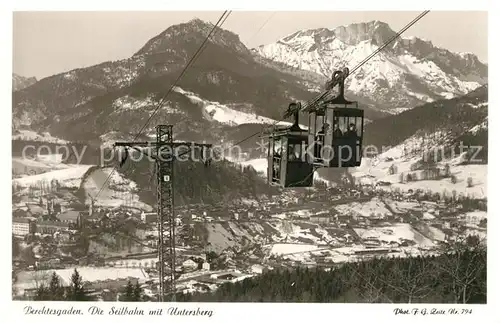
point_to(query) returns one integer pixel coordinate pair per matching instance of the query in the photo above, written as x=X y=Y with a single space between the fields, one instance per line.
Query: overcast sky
x=46 y=43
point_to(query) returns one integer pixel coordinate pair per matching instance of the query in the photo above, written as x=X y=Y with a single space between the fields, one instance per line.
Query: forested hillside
x=196 y=182
x=463 y=119
x=458 y=276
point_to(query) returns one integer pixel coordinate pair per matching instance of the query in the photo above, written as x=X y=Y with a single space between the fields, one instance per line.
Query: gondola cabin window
x=348 y=126
x=294 y=150
x=287 y=166
x=337 y=136
x=277 y=155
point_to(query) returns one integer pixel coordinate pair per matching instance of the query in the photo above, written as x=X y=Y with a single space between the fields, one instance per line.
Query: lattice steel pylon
x=165 y=152
x=165 y=209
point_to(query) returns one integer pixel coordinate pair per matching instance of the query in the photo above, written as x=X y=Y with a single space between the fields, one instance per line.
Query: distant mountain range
x=113 y=100
x=408 y=72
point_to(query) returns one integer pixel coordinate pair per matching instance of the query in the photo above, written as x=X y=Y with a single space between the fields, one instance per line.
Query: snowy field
x=260 y=165
x=293 y=232
x=117 y=191
x=32 y=279
x=373 y=170
x=400 y=207
x=374 y=208
x=435 y=233
x=25 y=166
x=394 y=234
x=70 y=177
x=223 y=114
x=34 y=136
x=291 y=248
x=304 y=253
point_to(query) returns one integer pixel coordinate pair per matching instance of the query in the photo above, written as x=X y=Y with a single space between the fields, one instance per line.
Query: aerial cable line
x=163 y=99
x=195 y=56
x=420 y=16
x=201 y=51
x=411 y=23
x=262 y=26
x=321 y=95
x=188 y=65
x=213 y=31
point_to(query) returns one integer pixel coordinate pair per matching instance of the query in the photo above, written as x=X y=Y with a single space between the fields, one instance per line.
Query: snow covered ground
x=260 y=165
x=373 y=170
x=303 y=252
x=403 y=206
x=34 y=136
x=374 y=208
x=290 y=248
x=32 y=279
x=435 y=233
x=115 y=192
x=127 y=102
x=26 y=166
x=292 y=232
x=224 y=114
x=396 y=233
x=70 y=177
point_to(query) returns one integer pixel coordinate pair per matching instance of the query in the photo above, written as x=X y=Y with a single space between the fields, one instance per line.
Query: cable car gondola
x=333 y=139
x=287 y=157
x=337 y=135
x=336 y=128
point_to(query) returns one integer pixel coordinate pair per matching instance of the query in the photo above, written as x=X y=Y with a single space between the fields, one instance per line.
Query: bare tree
x=40 y=278
x=372 y=290
x=413 y=279
x=464 y=263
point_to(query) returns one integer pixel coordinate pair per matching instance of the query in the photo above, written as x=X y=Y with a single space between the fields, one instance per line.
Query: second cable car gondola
x=288 y=164
x=333 y=139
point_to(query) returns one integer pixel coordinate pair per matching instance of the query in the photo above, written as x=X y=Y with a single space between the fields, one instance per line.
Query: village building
x=71 y=217
x=23 y=226
x=51 y=227
x=190 y=265
x=149 y=217
x=205 y=266
x=257 y=269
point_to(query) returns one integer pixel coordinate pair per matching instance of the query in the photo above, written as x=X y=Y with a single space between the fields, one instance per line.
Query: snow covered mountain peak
x=408 y=72
x=376 y=31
